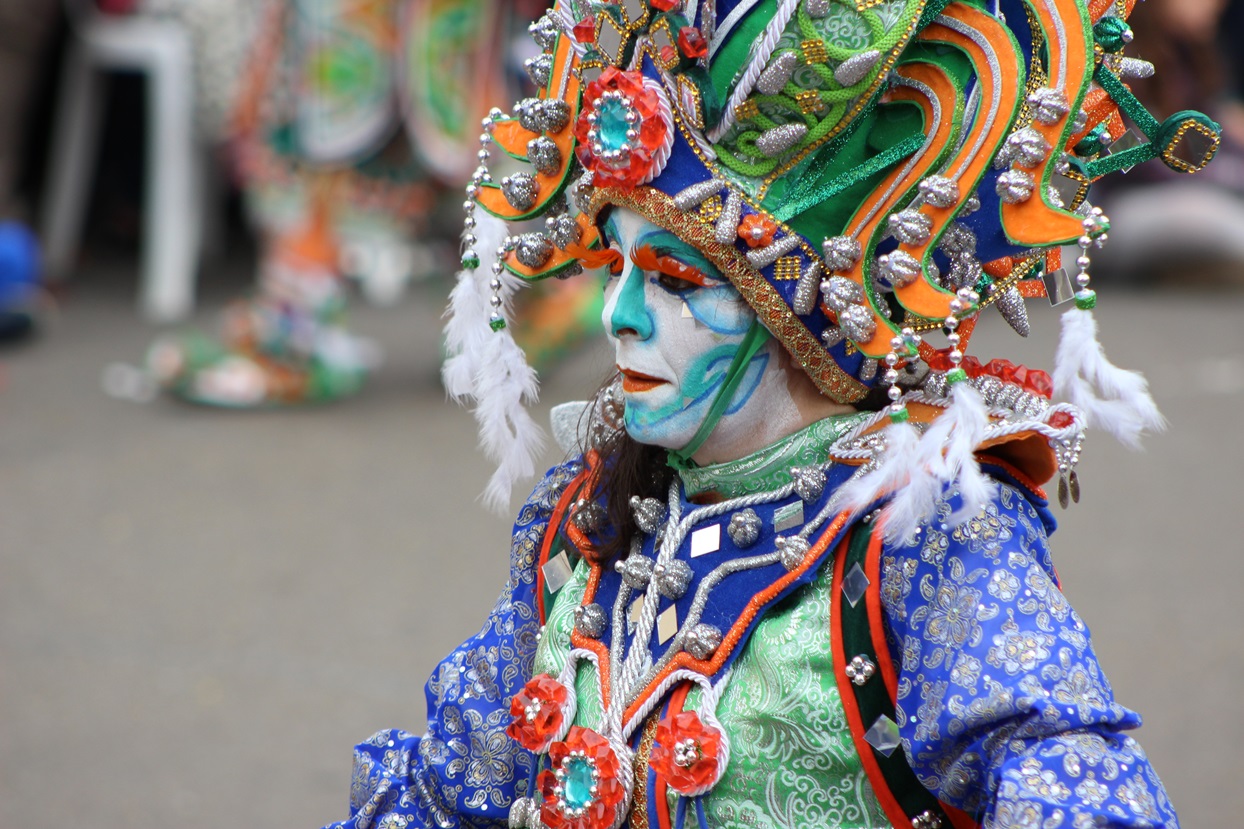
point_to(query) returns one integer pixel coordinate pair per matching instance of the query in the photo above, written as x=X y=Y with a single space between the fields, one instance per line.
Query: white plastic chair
x=176 y=166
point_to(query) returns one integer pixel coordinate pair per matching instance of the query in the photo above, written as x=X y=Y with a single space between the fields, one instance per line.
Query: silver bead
x=563 y=230
x=702 y=641
x=590 y=620
x=899 y=268
x=1015 y=186
x=587 y=515
x=533 y=250
x=544 y=155
x=744 y=528
x=539 y=69
x=649 y=514
x=911 y=227
x=793 y=550
x=672 y=578
x=520 y=190
x=841 y=293
x=842 y=252
x=857 y=323
x=939 y=191
x=1049 y=106
x=809 y=482
x=636 y=571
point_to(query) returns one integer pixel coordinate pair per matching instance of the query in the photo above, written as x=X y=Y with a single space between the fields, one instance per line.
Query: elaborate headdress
x=865 y=172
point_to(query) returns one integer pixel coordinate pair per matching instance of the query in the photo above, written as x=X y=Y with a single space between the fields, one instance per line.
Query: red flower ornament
x=687 y=753
x=625 y=131
x=583 y=789
x=537 y=712
x=757 y=230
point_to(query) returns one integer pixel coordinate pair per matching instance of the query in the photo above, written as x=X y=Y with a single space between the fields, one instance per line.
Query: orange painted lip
x=634 y=381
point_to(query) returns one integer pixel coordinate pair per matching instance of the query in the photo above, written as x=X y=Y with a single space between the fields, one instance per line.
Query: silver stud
x=857 y=323
x=841 y=293
x=544 y=155
x=809 y=482
x=649 y=513
x=563 y=230
x=841 y=252
x=899 y=269
x=958 y=240
x=793 y=550
x=545 y=31
x=672 y=578
x=539 y=69
x=702 y=641
x=520 y=190
x=816 y=8
x=590 y=620
x=860 y=669
x=1015 y=186
x=533 y=250
x=911 y=227
x=744 y=528
x=635 y=570
x=940 y=191
x=1049 y=106
x=587 y=515
x=832 y=336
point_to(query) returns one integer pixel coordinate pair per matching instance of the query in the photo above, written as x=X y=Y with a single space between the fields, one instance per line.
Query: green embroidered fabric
x=769 y=469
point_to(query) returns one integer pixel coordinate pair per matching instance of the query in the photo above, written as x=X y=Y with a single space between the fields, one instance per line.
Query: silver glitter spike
x=832 y=336
x=635 y=570
x=727 y=229
x=776 y=141
x=1015 y=186
x=696 y=194
x=856 y=68
x=899 y=268
x=672 y=578
x=590 y=620
x=520 y=190
x=940 y=191
x=775 y=77
x=841 y=293
x=533 y=250
x=1135 y=68
x=649 y=513
x=842 y=252
x=911 y=227
x=816 y=9
x=563 y=230
x=744 y=528
x=793 y=550
x=857 y=322
x=539 y=69
x=544 y=155
x=958 y=240
x=809 y=482
x=545 y=31
x=868 y=370
x=806 y=290
x=1011 y=306
x=763 y=257
x=702 y=641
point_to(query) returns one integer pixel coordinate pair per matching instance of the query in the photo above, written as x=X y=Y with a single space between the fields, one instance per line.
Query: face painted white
x=674 y=340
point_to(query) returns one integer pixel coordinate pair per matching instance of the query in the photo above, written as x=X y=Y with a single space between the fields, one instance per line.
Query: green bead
x=955 y=375
x=901 y=416
x=470 y=260
x=496 y=323
x=1112 y=33
x=1086 y=300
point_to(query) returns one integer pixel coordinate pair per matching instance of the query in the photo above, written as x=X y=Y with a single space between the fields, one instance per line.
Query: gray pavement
x=201 y=612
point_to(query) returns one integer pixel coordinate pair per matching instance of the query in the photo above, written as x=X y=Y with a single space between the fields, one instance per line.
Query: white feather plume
x=891 y=472
x=965 y=423
x=1111 y=398
x=488 y=368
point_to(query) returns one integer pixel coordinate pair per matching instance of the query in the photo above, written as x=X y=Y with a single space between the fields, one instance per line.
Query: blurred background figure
x=1174 y=227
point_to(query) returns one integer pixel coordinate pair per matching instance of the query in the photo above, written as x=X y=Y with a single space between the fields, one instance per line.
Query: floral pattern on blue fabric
x=1002 y=707
x=465 y=771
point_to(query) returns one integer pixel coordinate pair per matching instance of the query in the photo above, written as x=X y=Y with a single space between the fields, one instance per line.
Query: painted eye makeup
x=670 y=272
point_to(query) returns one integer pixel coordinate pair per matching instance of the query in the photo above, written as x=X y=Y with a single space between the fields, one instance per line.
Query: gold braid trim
x=774 y=313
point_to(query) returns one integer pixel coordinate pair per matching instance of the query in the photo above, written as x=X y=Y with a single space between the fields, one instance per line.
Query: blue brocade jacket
x=1003 y=710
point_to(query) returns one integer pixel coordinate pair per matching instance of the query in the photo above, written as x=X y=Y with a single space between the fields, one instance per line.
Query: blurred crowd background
x=255 y=204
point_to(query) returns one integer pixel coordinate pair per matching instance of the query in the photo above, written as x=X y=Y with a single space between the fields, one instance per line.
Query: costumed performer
x=797 y=571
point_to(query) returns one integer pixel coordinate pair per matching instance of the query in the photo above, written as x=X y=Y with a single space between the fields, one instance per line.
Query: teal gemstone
x=577 y=784
x=611 y=123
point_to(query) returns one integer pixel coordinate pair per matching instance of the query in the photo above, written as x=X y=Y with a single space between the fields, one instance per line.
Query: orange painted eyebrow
x=646 y=258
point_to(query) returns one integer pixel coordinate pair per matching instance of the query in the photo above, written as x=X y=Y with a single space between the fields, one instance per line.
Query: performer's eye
x=676 y=284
